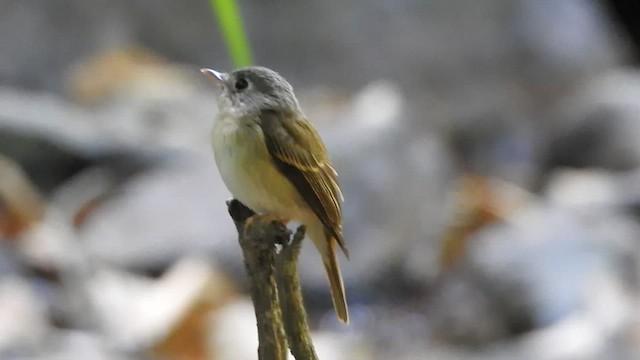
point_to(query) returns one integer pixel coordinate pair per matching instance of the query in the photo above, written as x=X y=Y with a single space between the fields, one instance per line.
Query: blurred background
x=488 y=152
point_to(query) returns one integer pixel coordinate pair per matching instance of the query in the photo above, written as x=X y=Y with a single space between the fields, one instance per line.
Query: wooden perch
x=293 y=311
x=258 y=242
x=275 y=287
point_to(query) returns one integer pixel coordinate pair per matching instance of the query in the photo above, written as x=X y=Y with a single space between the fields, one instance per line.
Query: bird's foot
x=264 y=220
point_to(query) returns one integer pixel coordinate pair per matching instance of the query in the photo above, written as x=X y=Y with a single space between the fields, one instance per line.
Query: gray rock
x=600 y=125
x=175 y=209
x=553 y=266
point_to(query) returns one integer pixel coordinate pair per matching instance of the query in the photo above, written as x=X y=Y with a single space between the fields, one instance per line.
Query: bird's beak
x=217 y=77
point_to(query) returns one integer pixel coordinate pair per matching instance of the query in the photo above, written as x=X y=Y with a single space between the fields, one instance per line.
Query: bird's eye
x=241 y=84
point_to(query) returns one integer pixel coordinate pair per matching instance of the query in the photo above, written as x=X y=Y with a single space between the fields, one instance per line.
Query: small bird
x=272 y=159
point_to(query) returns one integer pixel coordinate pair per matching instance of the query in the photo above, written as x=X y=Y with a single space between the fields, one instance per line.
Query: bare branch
x=294 y=314
x=257 y=237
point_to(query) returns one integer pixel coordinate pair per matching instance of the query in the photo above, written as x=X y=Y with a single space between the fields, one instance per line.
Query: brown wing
x=298 y=152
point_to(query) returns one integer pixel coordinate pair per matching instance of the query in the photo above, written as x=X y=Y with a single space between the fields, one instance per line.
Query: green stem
x=228 y=15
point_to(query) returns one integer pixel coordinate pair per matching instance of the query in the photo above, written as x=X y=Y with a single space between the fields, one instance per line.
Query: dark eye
x=241 y=84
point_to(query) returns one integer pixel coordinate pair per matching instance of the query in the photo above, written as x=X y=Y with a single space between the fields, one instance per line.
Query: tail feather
x=335 y=281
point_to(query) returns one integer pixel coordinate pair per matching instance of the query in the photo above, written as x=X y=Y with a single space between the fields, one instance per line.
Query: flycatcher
x=272 y=159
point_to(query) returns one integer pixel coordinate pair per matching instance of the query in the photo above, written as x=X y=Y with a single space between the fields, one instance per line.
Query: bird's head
x=250 y=90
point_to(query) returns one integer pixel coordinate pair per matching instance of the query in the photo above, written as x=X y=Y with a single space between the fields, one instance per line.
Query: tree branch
x=275 y=286
x=257 y=240
x=293 y=311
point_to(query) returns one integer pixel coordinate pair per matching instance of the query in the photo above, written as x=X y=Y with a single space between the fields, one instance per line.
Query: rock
x=74 y=344
x=23 y=316
x=130 y=73
x=234 y=336
x=583 y=189
x=169 y=315
x=165 y=213
x=551 y=266
x=600 y=125
x=233 y=332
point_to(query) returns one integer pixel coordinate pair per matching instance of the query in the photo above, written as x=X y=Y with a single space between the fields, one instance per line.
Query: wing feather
x=301 y=156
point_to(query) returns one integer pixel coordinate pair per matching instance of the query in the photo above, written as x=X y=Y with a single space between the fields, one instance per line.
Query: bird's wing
x=300 y=155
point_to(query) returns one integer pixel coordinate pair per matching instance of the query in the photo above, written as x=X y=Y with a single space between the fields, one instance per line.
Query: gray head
x=250 y=90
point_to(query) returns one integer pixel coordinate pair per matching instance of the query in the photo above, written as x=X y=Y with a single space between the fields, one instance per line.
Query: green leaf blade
x=228 y=14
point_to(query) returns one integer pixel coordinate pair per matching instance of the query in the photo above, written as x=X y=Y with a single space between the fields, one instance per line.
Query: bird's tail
x=335 y=281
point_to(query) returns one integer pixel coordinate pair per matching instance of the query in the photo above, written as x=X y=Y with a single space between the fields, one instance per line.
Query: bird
x=272 y=159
